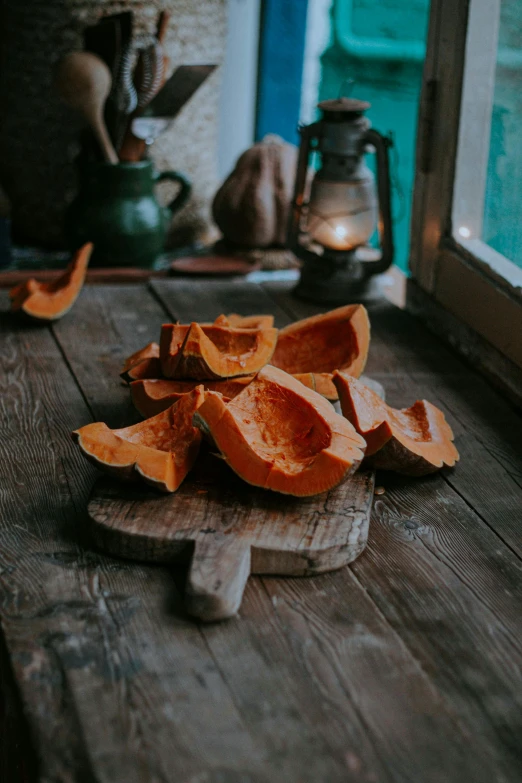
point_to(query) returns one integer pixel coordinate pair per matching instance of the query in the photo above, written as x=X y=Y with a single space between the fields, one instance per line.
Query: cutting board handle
x=217 y=576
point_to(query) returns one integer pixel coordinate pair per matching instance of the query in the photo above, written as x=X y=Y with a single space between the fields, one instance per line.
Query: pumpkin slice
x=415 y=441
x=150 y=351
x=245 y=321
x=147 y=368
x=145 y=363
x=161 y=450
x=320 y=382
x=279 y=435
x=155 y=395
x=338 y=340
x=214 y=352
x=51 y=301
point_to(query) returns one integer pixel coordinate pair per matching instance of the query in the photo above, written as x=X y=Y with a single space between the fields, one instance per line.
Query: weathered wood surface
x=402 y=667
x=229 y=529
x=440 y=537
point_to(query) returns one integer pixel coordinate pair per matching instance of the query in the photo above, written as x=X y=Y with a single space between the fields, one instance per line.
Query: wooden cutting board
x=228 y=530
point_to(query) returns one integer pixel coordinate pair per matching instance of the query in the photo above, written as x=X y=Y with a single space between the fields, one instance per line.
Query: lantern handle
x=307 y=133
x=382 y=145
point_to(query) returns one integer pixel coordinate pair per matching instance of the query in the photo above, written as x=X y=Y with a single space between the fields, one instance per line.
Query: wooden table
x=403 y=667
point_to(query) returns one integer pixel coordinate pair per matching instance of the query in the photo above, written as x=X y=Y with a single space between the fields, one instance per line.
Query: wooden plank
x=17 y=757
x=189 y=300
x=476 y=349
x=481 y=306
x=108 y=323
x=324 y=651
x=115 y=685
x=308 y=724
x=454 y=598
x=119 y=275
x=432 y=563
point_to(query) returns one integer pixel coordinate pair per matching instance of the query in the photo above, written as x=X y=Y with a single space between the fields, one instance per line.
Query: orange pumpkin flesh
x=151 y=351
x=145 y=363
x=51 y=301
x=161 y=450
x=152 y=396
x=338 y=340
x=415 y=441
x=245 y=321
x=279 y=435
x=214 y=352
x=320 y=382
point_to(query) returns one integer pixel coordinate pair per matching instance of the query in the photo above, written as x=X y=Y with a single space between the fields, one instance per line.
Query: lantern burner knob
x=342 y=108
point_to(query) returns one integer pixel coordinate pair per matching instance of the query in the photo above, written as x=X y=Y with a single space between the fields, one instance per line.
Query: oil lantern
x=332 y=220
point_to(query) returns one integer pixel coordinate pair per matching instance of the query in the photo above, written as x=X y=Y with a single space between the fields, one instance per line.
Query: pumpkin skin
x=214 y=352
x=415 y=441
x=251 y=207
x=159 y=451
x=51 y=301
x=337 y=340
x=279 y=435
x=151 y=396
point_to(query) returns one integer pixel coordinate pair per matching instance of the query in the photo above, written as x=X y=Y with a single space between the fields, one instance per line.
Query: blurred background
x=275 y=61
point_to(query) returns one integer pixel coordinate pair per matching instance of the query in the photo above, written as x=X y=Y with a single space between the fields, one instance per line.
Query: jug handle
x=181 y=198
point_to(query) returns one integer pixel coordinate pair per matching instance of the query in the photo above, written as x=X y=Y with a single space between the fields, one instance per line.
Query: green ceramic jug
x=116 y=209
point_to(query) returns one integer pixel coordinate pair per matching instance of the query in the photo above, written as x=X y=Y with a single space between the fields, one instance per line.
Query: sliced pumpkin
x=160 y=451
x=150 y=351
x=51 y=301
x=279 y=435
x=155 y=395
x=214 y=352
x=415 y=441
x=245 y=321
x=147 y=368
x=338 y=340
x=145 y=363
x=320 y=382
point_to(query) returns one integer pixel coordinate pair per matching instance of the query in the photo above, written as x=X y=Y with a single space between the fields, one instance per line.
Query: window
x=466 y=231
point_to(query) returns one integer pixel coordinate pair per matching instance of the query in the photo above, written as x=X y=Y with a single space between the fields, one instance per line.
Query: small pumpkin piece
x=245 y=321
x=415 y=441
x=152 y=396
x=338 y=340
x=147 y=368
x=320 y=382
x=159 y=451
x=214 y=352
x=51 y=301
x=279 y=435
x=145 y=363
x=150 y=351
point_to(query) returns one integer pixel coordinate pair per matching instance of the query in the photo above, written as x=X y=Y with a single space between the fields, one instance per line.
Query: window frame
x=443 y=266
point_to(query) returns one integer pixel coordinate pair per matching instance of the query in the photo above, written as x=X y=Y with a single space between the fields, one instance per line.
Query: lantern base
x=337 y=283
